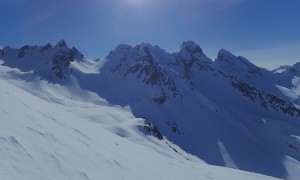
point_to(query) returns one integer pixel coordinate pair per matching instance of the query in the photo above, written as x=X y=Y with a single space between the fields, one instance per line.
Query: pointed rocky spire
x=61 y=43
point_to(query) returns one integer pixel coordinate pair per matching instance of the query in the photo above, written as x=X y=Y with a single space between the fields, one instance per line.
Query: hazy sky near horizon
x=267 y=32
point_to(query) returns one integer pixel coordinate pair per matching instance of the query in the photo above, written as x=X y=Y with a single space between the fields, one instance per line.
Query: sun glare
x=137 y=2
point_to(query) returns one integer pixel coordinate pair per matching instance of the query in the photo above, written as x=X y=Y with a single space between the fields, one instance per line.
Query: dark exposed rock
x=46 y=47
x=175 y=128
x=293 y=146
x=61 y=43
x=294 y=143
x=62 y=60
x=22 y=51
x=150 y=129
x=160 y=99
x=144 y=67
x=265 y=100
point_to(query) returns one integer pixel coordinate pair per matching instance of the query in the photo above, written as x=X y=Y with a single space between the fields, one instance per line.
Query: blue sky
x=267 y=32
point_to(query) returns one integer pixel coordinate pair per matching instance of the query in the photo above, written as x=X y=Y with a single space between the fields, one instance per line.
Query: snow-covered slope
x=227 y=112
x=58 y=137
x=224 y=115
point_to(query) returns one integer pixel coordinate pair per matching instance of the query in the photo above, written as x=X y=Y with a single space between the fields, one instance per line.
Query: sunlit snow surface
x=46 y=132
x=65 y=117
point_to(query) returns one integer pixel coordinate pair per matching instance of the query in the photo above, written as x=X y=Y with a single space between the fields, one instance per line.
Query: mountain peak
x=191 y=52
x=190 y=46
x=145 y=45
x=61 y=43
x=238 y=65
x=226 y=56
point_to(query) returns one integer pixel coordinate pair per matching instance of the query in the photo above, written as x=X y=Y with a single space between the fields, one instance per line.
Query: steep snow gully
x=144 y=113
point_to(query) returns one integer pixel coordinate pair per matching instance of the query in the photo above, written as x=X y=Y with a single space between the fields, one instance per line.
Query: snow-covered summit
x=190 y=51
x=190 y=46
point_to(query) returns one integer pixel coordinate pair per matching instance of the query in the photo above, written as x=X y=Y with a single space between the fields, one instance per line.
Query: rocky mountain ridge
x=46 y=61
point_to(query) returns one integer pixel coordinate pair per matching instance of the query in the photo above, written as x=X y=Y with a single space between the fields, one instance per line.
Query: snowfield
x=71 y=139
x=143 y=113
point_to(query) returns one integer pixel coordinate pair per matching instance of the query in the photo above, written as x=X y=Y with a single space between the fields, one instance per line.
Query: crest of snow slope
x=78 y=139
x=213 y=120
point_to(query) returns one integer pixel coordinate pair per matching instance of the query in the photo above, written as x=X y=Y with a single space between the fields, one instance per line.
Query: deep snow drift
x=66 y=117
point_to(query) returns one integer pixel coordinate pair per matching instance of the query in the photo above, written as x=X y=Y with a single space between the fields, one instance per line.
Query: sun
x=137 y=2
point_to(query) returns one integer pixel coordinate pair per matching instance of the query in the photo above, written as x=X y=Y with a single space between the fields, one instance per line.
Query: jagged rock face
x=264 y=99
x=141 y=62
x=150 y=129
x=61 y=62
x=189 y=60
x=61 y=43
x=45 y=61
x=22 y=51
x=155 y=67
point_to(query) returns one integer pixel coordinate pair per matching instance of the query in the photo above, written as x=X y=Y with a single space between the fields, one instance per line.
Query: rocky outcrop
x=141 y=62
x=175 y=128
x=265 y=99
x=61 y=62
x=150 y=129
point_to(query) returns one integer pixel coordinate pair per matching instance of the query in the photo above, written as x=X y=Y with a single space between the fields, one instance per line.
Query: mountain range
x=142 y=109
